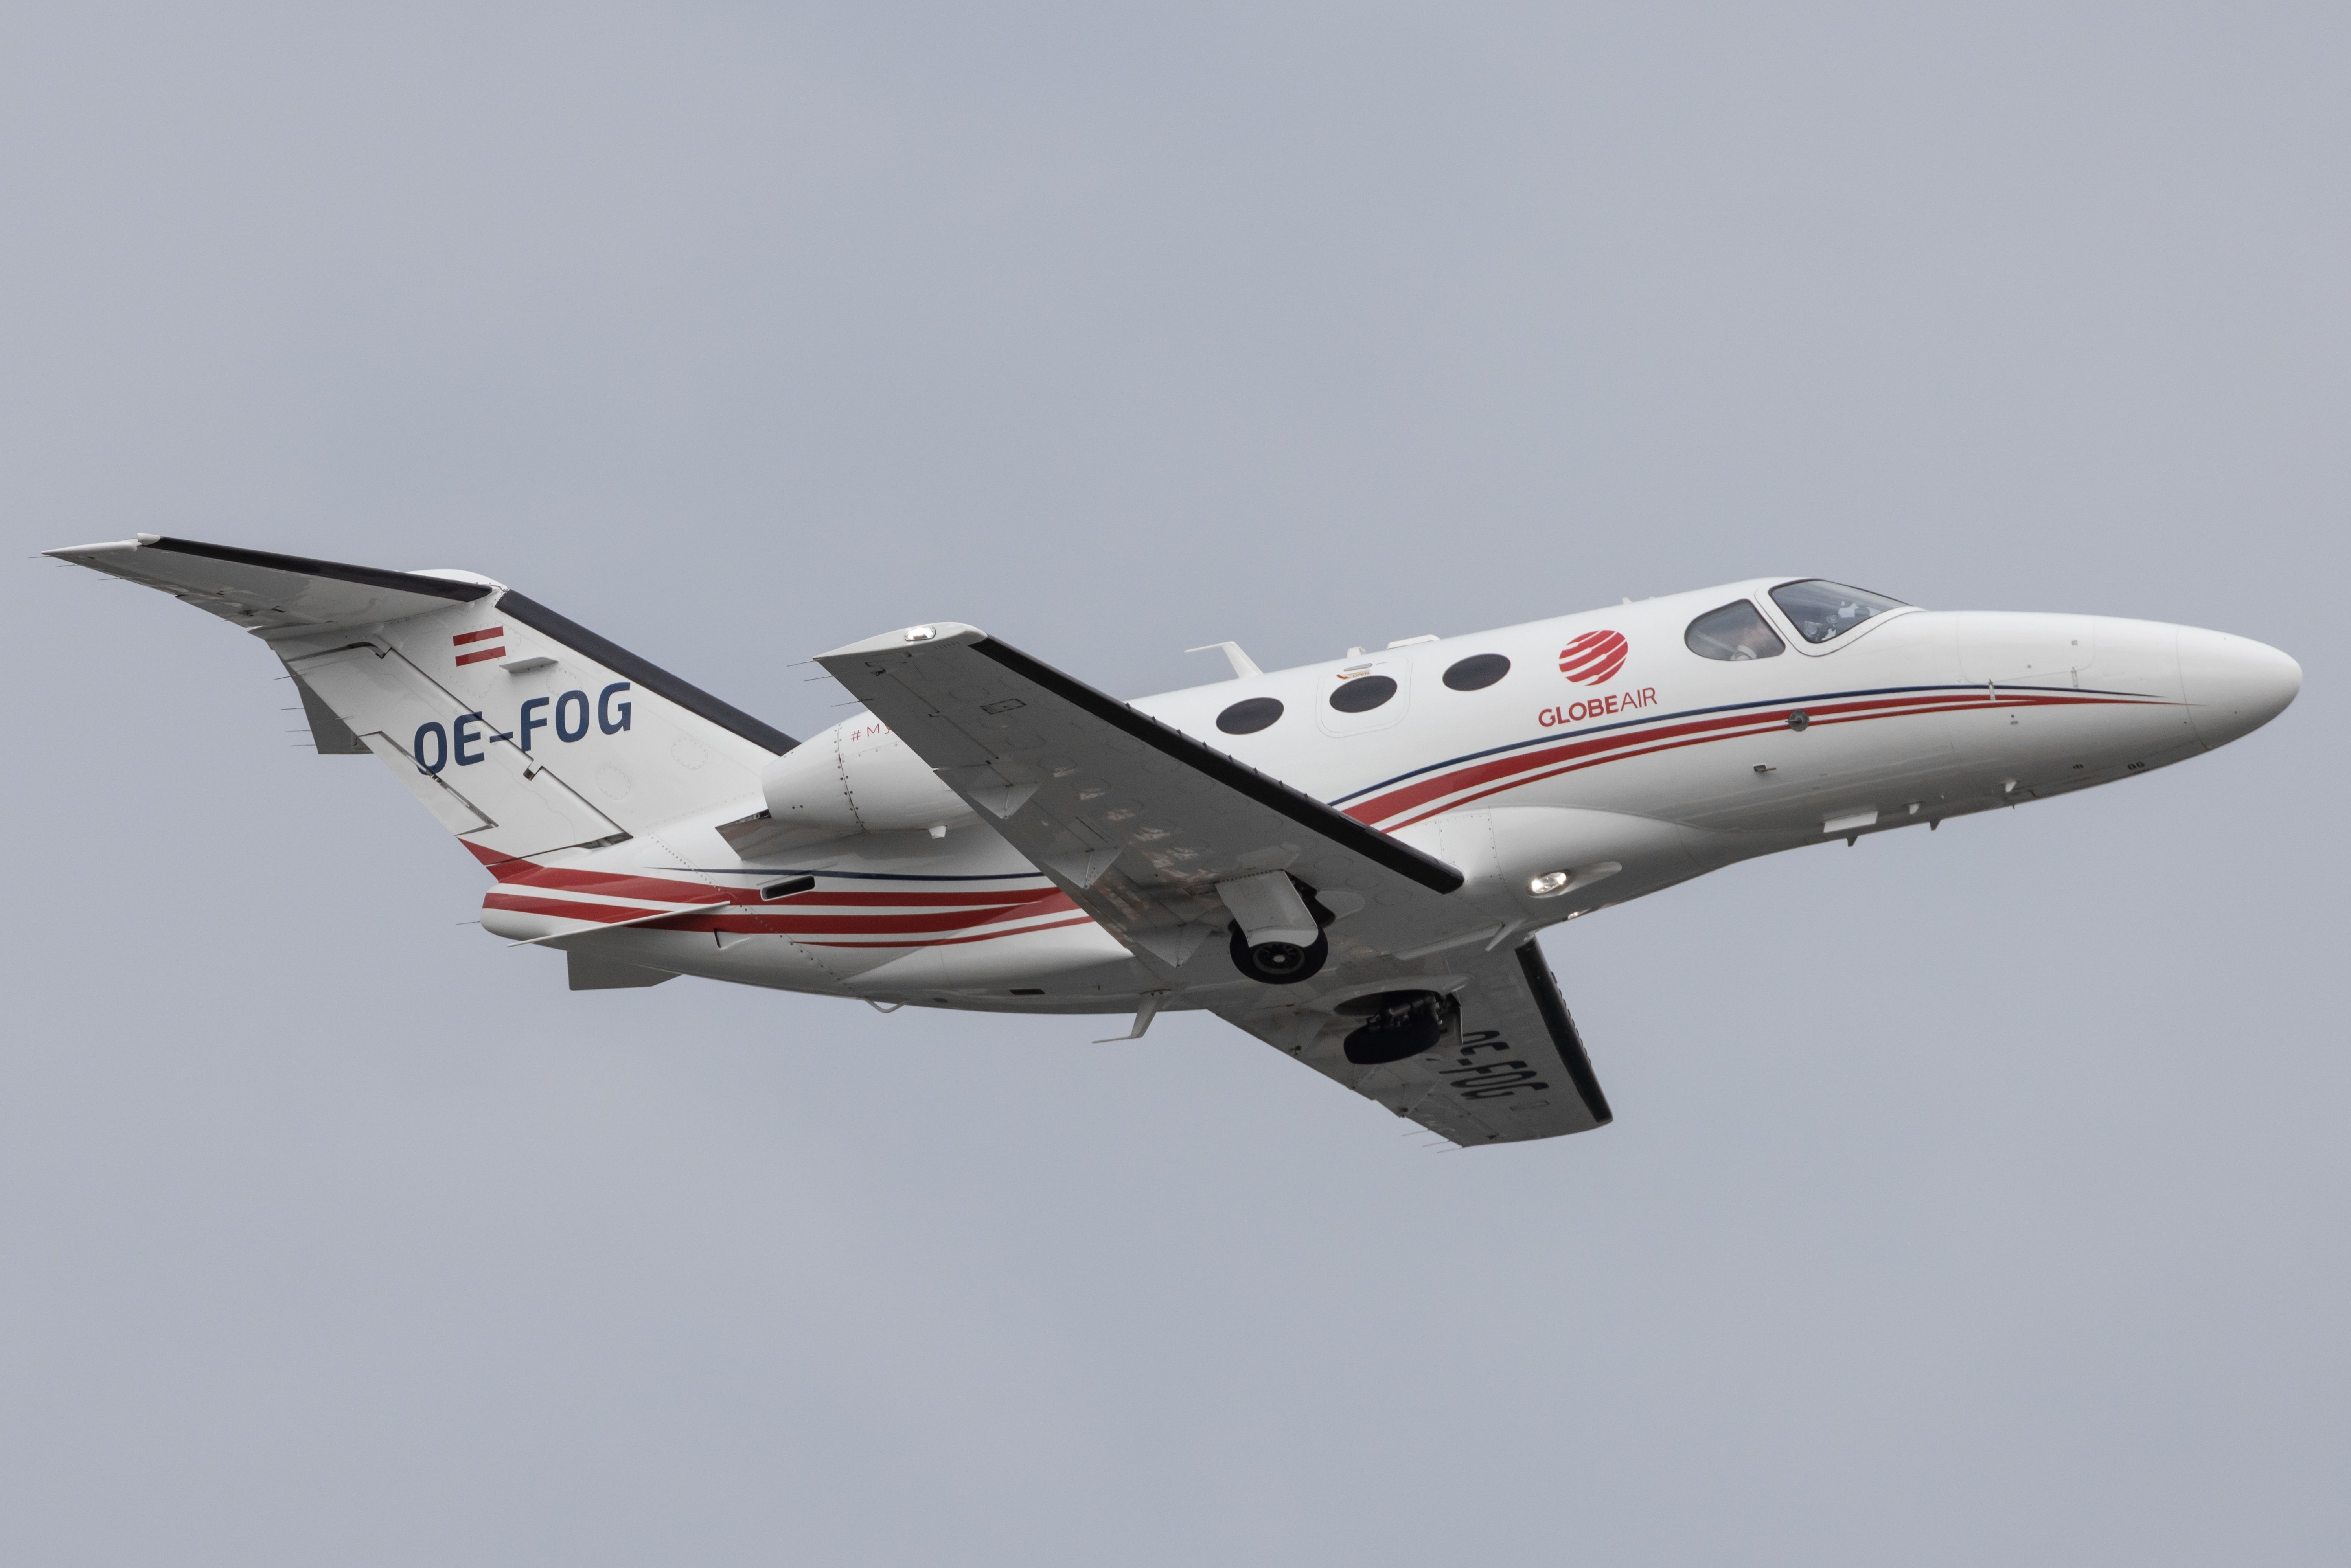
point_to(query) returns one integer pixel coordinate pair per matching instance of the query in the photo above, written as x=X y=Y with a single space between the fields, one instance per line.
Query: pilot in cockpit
x=1736 y=632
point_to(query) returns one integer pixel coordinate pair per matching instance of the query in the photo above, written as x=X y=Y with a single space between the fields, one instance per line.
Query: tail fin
x=522 y=731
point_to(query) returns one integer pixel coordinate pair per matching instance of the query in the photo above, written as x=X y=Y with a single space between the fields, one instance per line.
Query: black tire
x=1278 y=963
x=1400 y=1024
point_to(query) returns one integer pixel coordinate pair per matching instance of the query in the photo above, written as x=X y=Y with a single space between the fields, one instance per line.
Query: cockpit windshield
x=1823 y=610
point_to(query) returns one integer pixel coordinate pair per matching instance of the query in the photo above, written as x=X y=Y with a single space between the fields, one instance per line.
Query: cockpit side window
x=1735 y=631
x=1823 y=610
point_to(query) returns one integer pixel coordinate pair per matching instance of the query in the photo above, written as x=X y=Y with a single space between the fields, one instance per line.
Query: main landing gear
x=1398 y=1024
x=1280 y=963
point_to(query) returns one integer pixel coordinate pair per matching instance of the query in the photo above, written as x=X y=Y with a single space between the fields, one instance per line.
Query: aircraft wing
x=1136 y=820
x=1515 y=1070
x=1139 y=824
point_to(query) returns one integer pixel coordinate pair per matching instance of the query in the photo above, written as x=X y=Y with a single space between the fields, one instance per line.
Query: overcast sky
x=1976 y=1196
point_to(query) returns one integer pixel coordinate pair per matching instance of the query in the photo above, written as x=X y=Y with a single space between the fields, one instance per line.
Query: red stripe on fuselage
x=958 y=941
x=637 y=884
x=779 y=920
x=800 y=914
x=1527 y=767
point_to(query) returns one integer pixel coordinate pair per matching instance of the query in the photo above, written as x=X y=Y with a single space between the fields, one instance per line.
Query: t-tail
x=523 y=732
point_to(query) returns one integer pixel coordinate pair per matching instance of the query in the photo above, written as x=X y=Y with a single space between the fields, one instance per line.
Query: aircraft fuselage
x=1563 y=766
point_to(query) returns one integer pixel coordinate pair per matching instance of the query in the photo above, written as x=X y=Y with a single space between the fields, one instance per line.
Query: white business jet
x=1351 y=861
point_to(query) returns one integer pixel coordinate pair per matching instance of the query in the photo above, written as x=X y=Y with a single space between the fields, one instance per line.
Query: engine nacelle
x=858 y=777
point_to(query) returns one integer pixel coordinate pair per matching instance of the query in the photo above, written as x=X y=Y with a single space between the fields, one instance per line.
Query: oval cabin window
x=1250 y=715
x=1363 y=694
x=1735 y=632
x=1477 y=672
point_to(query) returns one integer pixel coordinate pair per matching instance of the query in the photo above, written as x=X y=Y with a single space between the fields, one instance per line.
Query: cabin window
x=784 y=889
x=1824 y=610
x=1363 y=694
x=1735 y=631
x=1249 y=714
x=1477 y=672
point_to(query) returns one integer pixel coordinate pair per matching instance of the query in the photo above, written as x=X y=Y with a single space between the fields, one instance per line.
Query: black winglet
x=1570 y=1044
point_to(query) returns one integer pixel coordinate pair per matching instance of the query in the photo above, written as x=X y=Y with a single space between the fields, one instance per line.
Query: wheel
x=1278 y=963
x=1398 y=1024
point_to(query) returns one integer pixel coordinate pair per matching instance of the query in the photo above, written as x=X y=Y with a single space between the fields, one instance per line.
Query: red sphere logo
x=1593 y=657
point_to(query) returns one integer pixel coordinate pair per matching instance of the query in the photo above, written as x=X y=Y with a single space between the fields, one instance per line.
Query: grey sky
x=1973 y=1196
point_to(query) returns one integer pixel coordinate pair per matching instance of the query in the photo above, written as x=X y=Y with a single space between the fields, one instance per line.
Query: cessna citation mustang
x=1349 y=860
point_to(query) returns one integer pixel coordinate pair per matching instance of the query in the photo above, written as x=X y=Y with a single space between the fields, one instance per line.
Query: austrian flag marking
x=486 y=635
x=1593 y=657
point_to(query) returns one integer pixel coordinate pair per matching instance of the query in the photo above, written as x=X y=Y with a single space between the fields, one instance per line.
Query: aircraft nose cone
x=2233 y=685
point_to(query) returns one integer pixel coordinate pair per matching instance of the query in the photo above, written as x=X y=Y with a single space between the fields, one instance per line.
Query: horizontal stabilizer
x=263 y=591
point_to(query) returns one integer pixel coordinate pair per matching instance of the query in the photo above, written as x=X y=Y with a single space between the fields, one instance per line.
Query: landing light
x=921 y=633
x=1549 y=883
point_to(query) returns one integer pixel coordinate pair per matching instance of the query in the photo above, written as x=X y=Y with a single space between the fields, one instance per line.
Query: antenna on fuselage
x=1244 y=667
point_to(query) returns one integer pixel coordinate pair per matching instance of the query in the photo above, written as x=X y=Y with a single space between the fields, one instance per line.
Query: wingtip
x=68 y=552
x=909 y=639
